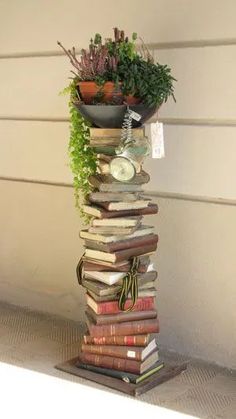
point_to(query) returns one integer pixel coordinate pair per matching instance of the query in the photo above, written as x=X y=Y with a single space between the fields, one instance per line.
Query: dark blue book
x=122 y=375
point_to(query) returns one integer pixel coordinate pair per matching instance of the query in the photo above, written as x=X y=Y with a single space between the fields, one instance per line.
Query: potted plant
x=113 y=72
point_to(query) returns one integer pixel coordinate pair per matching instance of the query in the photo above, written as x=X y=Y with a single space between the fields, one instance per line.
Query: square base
x=170 y=370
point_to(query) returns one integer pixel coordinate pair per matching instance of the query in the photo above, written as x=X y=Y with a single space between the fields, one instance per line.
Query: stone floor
x=37 y=341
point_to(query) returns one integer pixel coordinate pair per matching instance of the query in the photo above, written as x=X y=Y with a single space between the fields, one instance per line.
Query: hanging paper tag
x=157 y=139
x=135 y=115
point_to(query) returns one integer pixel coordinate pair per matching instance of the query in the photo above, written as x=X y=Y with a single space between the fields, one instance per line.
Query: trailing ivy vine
x=82 y=159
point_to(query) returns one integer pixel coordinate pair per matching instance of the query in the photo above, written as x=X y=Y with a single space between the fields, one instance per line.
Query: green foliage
x=153 y=83
x=82 y=159
x=117 y=60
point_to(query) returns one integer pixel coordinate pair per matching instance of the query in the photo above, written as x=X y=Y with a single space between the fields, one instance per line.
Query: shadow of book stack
x=120 y=348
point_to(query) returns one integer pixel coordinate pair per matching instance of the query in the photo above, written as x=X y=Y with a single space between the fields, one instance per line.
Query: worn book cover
x=93 y=281
x=122 y=244
x=120 y=255
x=90 y=264
x=122 y=375
x=130 y=340
x=114 y=133
x=99 y=212
x=143 y=292
x=112 y=307
x=125 y=206
x=119 y=317
x=137 y=353
x=137 y=327
x=113 y=196
x=142 y=231
x=139 y=179
x=130 y=365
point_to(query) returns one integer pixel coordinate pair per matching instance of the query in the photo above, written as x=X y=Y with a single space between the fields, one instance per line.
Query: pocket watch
x=122 y=169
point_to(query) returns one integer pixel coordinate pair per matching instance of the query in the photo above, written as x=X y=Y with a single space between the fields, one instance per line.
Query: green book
x=122 y=375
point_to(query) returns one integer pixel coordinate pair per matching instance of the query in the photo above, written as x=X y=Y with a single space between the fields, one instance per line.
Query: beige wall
x=39 y=225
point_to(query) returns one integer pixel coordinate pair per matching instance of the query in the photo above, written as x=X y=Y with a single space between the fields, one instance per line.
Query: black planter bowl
x=112 y=116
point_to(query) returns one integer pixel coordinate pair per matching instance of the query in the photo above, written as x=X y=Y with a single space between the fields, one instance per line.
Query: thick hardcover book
x=103 y=238
x=120 y=317
x=113 y=231
x=139 y=179
x=97 y=183
x=100 y=289
x=145 y=281
x=98 y=212
x=142 y=292
x=125 y=206
x=120 y=255
x=114 y=133
x=108 y=278
x=112 y=307
x=122 y=244
x=113 y=196
x=107 y=150
x=130 y=365
x=137 y=353
x=122 y=375
x=139 y=327
x=90 y=264
x=132 y=340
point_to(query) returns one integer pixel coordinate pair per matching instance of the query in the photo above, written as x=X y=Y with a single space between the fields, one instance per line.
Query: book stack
x=117 y=272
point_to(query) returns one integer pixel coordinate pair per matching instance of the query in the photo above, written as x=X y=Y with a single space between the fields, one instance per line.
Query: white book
x=116 y=222
x=119 y=206
x=108 y=278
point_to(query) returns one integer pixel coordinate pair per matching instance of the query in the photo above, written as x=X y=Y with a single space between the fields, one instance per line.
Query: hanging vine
x=82 y=159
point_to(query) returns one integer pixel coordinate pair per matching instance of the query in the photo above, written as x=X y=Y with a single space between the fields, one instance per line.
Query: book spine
x=124 y=317
x=136 y=251
x=112 y=307
x=105 y=361
x=115 y=351
x=139 y=327
x=125 y=376
x=135 y=340
x=122 y=244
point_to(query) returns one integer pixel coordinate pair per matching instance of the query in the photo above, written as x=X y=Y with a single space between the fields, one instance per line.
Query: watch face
x=122 y=169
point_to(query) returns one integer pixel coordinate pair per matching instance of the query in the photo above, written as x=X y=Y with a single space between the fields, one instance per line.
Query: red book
x=138 y=327
x=111 y=307
x=132 y=340
x=105 y=361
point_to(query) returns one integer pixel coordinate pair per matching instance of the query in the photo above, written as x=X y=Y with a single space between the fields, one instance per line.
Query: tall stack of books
x=120 y=342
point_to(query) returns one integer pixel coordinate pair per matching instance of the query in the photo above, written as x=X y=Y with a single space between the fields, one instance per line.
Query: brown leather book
x=137 y=353
x=131 y=340
x=99 y=212
x=122 y=244
x=120 y=255
x=130 y=365
x=119 y=317
x=124 y=266
x=138 y=327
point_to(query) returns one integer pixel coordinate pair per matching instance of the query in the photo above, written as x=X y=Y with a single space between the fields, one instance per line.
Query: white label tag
x=157 y=140
x=131 y=354
x=135 y=116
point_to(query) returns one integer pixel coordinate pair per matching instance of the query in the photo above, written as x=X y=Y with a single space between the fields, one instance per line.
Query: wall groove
x=201 y=43
x=167 y=121
x=154 y=194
